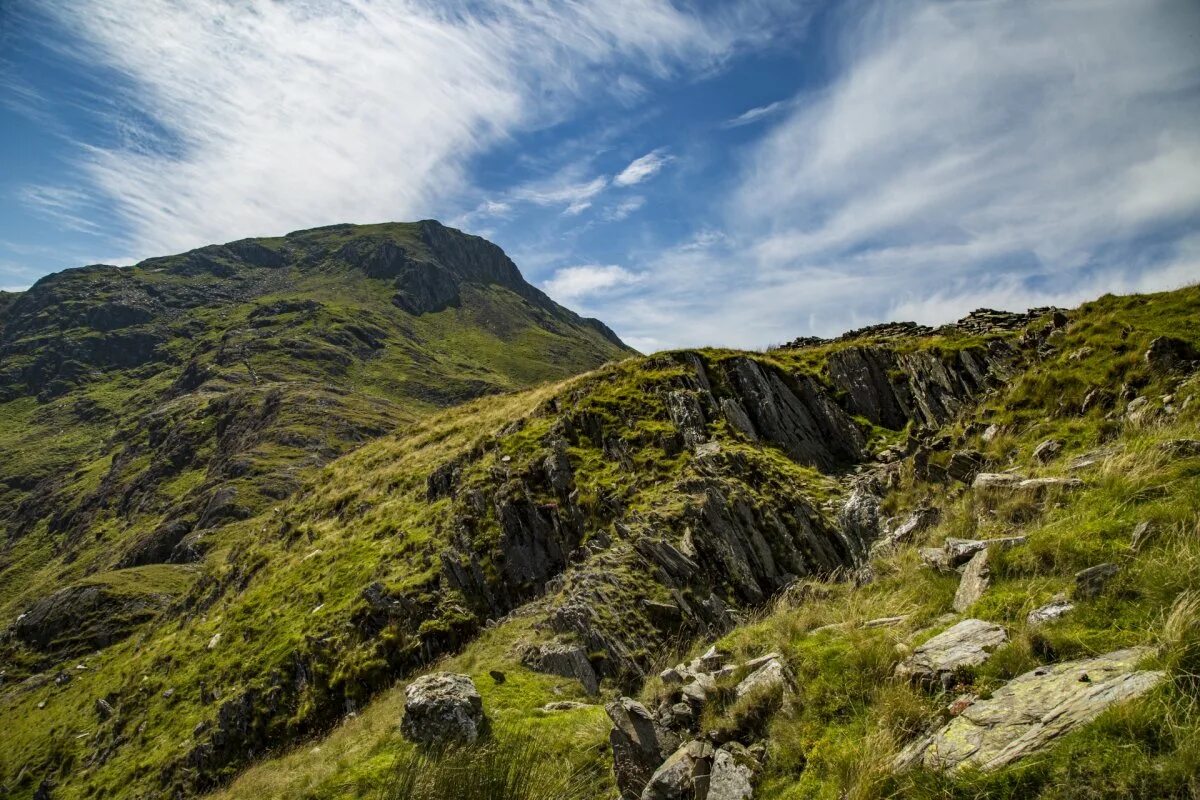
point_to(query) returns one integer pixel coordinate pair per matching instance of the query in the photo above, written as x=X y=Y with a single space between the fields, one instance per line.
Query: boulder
x=683 y=776
x=967 y=644
x=1031 y=711
x=1039 y=486
x=919 y=521
x=442 y=707
x=769 y=673
x=639 y=745
x=859 y=517
x=1167 y=353
x=995 y=480
x=565 y=660
x=1058 y=607
x=729 y=779
x=1090 y=582
x=965 y=465
x=1047 y=451
x=976 y=578
x=960 y=551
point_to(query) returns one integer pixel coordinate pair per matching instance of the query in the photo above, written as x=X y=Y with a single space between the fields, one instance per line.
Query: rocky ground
x=907 y=562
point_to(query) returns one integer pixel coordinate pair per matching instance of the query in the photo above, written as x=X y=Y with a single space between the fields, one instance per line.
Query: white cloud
x=755 y=114
x=626 y=207
x=1003 y=153
x=263 y=117
x=642 y=168
x=571 y=284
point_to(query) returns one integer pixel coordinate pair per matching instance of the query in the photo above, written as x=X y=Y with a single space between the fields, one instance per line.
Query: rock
x=712 y=659
x=442 y=707
x=1090 y=582
x=995 y=480
x=497 y=676
x=729 y=780
x=1047 y=451
x=671 y=676
x=976 y=578
x=990 y=433
x=919 y=521
x=935 y=557
x=104 y=709
x=568 y=661
x=859 y=517
x=564 y=705
x=1056 y=608
x=960 y=551
x=1182 y=448
x=1167 y=353
x=213 y=642
x=683 y=776
x=1142 y=534
x=967 y=644
x=688 y=416
x=965 y=465
x=770 y=673
x=1031 y=711
x=885 y=622
x=639 y=745
x=1039 y=486
x=736 y=416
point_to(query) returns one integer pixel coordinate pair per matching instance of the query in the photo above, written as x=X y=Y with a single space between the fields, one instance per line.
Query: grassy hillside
x=642 y=512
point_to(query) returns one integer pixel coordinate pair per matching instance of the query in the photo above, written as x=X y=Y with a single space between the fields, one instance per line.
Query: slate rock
x=1057 y=608
x=1090 y=582
x=967 y=644
x=1031 y=711
x=729 y=779
x=639 y=745
x=976 y=578
x=1047 y=450
x=567 y=661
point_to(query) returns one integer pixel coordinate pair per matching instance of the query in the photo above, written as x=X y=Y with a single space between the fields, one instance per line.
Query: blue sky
x=700 y=173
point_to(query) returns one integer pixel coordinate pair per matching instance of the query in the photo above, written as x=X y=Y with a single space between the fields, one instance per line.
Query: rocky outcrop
x=1033 y=710
x=442 y=707
x=565 y=660
x=639 y=746
x=967 y=644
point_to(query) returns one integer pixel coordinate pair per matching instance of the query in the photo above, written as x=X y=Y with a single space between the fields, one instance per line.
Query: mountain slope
x=143 y=408
x=620 y=515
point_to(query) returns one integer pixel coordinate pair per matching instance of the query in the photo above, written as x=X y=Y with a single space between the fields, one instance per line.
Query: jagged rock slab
x=1033 y=710
x=976 y=578
x=568 y=661
x=967 y=644
x=639 y=746
x=1056 y=609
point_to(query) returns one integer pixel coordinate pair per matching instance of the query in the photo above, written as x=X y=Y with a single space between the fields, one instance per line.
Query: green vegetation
x=273 y=670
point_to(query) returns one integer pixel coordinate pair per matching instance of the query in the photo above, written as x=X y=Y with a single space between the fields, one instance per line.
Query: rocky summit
x=358 y=512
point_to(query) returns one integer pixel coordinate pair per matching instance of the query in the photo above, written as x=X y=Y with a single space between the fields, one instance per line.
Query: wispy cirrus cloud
x=642 y=168
x=964 y=153
x=756 y=114
x=245 y=118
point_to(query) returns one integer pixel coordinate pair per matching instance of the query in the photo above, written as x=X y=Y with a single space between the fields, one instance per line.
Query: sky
x=707 y=173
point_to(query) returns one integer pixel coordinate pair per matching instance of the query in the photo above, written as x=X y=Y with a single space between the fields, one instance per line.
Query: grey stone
x=729 y=779
x=769 y=673
x=965 y=465
x=976 y=578
x=684 y=775
x=1090 y=582
x=1142 y=533
x=960 y=551
x=995 y=480
x=1047 y=450
x=442 y=707
x=639 y=745
x=1058 y=607
x=967 y=644
x=859 y=517
x=568 y=661
x=1031 y=711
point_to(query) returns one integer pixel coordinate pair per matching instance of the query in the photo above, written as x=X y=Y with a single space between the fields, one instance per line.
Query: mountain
x=145 y=407
x=696 y=573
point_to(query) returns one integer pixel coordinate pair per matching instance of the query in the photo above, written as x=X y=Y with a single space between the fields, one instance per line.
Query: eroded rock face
x=1033 y=710
x=442 y=707
x=967 y=644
